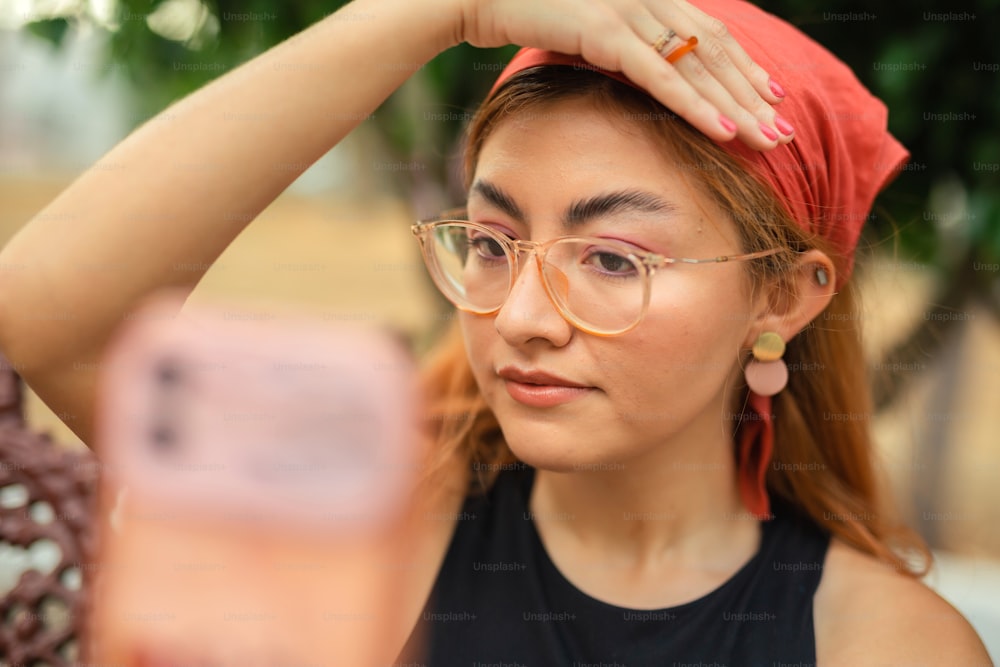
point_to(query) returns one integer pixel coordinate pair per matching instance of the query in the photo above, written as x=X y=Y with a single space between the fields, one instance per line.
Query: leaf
x=51 y=30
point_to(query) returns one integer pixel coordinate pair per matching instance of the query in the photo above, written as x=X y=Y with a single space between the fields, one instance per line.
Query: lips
x=535 y=377
x=539 y=389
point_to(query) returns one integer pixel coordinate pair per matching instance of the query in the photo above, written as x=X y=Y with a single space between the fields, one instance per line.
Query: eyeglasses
x=600 y=286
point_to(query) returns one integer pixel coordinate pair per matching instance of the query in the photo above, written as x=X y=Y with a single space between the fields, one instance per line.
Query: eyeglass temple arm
x=724 y=258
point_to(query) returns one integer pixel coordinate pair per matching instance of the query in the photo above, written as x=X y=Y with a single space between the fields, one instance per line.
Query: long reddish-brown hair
x=823 y=459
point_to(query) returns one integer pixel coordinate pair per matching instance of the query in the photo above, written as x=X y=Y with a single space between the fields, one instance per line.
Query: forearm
x=174 y=194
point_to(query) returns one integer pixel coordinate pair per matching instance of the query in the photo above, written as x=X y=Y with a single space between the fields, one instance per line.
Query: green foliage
x=51 y=30
x=936 y=67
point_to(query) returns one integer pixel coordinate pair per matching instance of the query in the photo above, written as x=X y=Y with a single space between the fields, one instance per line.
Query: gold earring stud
x=767 y=374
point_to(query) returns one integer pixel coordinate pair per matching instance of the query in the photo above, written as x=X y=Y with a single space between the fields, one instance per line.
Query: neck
x=678 y=504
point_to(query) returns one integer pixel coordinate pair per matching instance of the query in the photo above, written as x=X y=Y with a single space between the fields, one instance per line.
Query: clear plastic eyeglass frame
x=646 y=263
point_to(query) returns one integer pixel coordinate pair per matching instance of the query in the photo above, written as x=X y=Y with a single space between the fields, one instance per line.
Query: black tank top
x=499 y=601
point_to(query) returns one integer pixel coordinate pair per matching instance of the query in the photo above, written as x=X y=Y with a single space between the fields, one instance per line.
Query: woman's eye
x=611 y=262
x=487 y=246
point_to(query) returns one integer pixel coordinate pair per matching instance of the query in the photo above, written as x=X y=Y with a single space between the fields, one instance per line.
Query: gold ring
x=662 y=40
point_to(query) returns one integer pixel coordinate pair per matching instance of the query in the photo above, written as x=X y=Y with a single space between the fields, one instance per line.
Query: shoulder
x=868 y=614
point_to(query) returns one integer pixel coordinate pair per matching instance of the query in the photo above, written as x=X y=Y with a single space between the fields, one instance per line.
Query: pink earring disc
x=766 y=378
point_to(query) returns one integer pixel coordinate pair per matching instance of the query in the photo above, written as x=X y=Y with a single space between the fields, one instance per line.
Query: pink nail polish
x=727 y=123
x=784 y=126
x=776 y=88
x=768 y=132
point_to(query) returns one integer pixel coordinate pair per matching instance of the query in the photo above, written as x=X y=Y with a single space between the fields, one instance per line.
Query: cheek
x=686 y=344
x=479 y=335
x=707 y=302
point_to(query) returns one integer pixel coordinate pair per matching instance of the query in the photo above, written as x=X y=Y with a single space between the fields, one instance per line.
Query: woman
x=615 y=493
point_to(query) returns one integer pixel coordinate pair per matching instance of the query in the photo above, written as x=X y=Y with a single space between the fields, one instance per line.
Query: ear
x=786 y=312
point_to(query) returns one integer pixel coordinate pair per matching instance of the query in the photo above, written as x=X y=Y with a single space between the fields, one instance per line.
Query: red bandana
x=827 y=177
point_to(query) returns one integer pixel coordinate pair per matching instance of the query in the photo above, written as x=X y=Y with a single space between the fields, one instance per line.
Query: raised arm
x=173 y=195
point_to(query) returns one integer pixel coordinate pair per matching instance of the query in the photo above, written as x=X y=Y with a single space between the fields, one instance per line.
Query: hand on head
x=685 y=58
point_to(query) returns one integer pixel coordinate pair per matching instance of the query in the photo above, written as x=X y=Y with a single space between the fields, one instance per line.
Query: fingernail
x=727 y=123
x=768 y=132
x=784 y=126
x=776 y=88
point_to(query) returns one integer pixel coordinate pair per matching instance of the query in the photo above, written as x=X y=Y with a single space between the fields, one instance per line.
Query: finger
x=756 y=124
x=647 y=69
x=752 y=124
x=716 y=32
x=718 y=61
x=725 y=86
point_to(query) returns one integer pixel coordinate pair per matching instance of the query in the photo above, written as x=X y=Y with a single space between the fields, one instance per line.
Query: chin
x=561 y=449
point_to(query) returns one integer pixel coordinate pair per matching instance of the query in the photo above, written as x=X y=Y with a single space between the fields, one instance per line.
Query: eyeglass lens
x=598 y=286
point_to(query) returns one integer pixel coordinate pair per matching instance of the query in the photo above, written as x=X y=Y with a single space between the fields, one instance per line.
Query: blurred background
x=77 y=75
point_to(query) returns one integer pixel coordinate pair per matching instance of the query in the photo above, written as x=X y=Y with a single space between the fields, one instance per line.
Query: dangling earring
x=767 y=374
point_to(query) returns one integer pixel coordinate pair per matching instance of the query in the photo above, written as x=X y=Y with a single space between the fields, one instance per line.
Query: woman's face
x=666 y=380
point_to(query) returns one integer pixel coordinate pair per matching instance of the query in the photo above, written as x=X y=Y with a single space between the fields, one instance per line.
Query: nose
x=528 y=313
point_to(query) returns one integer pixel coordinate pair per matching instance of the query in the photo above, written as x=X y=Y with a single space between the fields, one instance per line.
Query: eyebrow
x=624 y=201
x=583 y=210
x=498 y=198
